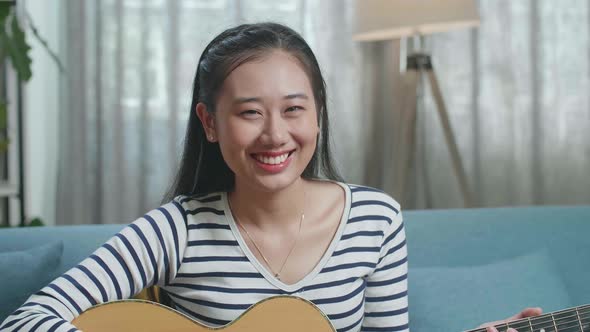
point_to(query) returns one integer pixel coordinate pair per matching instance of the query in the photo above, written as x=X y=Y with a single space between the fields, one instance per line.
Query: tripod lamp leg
x=456 y=158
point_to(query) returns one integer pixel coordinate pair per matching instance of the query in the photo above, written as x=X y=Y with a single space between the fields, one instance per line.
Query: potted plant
x=14 y=51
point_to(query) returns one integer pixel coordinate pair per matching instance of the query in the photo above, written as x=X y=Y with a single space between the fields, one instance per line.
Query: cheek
x=312 y=128
x=308 y=133
x=234 y=137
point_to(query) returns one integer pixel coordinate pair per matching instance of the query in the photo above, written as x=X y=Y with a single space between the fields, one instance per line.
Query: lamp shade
x=391 y=19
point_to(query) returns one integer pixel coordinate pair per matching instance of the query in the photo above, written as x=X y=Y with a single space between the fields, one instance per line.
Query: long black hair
x=202 y=168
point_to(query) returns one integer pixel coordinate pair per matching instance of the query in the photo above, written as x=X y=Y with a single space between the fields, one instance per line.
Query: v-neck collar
x=319 y=266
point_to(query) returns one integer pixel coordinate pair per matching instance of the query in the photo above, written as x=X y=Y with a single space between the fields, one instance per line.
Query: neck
x=577 y=318
x=268 y=209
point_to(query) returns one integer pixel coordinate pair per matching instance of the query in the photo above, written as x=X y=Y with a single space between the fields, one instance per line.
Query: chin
x=276 y=182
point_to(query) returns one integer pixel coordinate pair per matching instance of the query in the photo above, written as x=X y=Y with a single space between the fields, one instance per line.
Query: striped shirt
x=192 y=248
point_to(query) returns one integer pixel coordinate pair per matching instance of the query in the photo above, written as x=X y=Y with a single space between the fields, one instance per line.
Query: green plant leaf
x=43 y=42
x=4 y=13
x=3 y=115
x=5 y=7
x=4 y=143
x=36 y=222
x=18 y=50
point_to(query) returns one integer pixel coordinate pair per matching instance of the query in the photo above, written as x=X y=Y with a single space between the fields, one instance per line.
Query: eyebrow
x=242 y=100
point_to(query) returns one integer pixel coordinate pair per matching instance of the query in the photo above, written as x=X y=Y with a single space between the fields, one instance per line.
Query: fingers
x=493 y=329
x=528 y=312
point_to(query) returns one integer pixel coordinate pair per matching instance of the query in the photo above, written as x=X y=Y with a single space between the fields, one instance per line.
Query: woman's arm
x=147 y=252
x=386 y=296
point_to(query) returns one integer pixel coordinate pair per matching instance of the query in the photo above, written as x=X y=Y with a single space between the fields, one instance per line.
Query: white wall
x=41 y=105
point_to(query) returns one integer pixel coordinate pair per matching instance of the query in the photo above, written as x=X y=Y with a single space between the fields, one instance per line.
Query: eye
x=293 y=108
x=250 y=113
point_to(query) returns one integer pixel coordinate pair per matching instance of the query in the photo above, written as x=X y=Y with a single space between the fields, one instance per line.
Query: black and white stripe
x=190 y=248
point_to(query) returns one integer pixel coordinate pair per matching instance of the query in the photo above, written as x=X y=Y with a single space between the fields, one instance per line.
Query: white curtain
x=516 y=90
x=517 y=93
x=127 y=96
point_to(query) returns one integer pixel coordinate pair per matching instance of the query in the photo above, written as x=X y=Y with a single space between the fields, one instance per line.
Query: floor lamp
x=378 y=20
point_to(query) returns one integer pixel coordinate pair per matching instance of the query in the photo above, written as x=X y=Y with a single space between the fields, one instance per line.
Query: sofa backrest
x=78 y=241
x=468 y=266
x=441 y=244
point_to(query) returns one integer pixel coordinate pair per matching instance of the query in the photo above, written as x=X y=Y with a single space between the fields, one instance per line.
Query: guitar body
x=278 y=313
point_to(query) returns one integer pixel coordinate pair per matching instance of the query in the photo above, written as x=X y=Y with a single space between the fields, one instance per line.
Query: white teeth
x=272 y=160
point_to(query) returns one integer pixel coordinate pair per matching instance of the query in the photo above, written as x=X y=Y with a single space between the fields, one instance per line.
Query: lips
x=273 y=162
x=272 y=158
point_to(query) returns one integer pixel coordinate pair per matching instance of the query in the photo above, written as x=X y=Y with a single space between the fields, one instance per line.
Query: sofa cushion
x=445 y=296
x=25 y=272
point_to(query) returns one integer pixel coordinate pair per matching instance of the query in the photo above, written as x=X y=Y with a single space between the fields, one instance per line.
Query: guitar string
x=548 y=325
x=583 y=310
x=574 y=318
x=549 y=328
x=559 y=321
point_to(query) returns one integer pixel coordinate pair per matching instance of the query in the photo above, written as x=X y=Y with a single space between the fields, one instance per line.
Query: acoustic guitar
x=278 y=313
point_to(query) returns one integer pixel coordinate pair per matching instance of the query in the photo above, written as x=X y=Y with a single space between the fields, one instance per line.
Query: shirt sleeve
x=146 y=252
x=386 y=294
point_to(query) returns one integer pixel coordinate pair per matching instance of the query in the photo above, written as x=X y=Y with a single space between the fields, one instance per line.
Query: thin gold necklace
x=278 y=273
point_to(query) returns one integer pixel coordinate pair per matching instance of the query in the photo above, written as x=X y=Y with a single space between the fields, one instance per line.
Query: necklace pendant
x=278 y=276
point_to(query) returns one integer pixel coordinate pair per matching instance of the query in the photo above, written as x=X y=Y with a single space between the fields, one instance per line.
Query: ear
x=208 y=122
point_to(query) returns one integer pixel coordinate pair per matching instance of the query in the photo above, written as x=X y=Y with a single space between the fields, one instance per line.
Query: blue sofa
x=466 y=266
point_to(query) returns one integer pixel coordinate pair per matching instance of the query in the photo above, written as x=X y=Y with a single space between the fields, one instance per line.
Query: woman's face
x=265 y=121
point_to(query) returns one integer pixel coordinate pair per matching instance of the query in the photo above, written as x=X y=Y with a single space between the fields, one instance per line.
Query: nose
x=275 y=131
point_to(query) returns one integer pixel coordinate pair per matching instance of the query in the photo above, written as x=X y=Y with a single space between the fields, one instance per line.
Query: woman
x=248 y=217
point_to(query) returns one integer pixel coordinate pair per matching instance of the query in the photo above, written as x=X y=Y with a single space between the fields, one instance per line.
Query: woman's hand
x=528 y=312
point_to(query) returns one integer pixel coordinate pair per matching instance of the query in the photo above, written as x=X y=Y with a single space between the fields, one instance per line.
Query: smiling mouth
x=272 y=160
